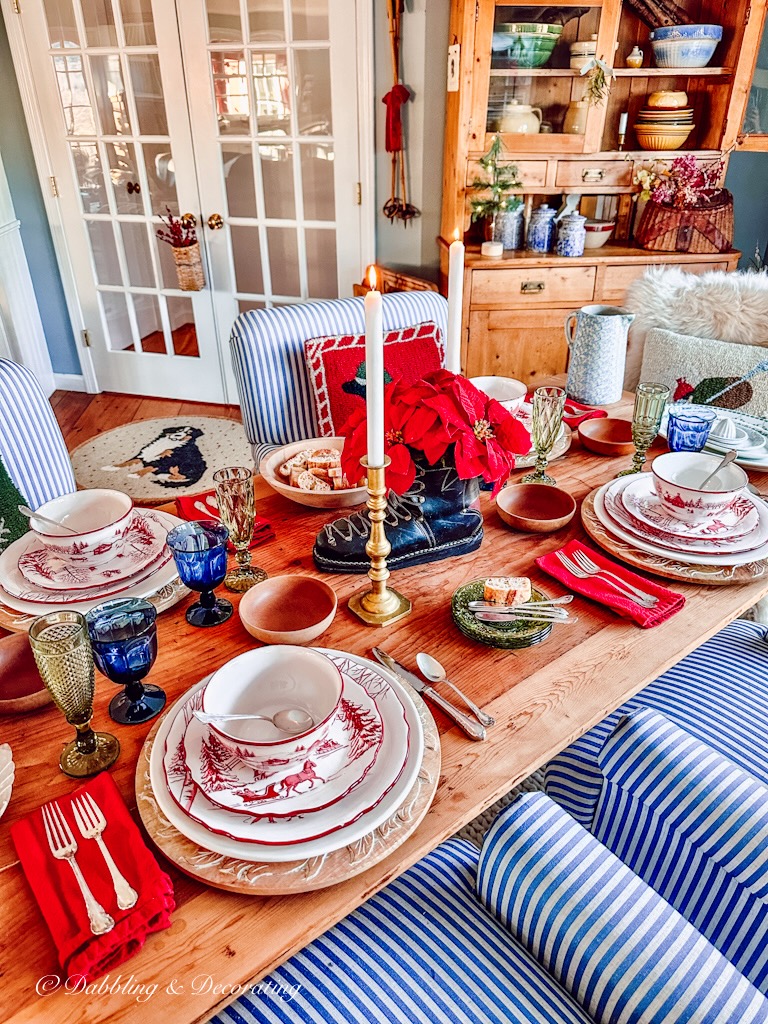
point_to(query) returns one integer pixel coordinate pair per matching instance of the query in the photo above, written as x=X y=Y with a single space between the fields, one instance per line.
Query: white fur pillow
x=728 y=307
x=697 y=368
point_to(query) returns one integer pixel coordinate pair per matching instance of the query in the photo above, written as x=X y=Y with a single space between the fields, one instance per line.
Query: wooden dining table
x=542 y=698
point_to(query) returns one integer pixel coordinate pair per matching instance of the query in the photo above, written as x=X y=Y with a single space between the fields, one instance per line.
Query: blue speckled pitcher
x=598 y=347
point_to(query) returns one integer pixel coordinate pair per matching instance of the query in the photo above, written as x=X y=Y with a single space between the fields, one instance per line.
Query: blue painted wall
x=747 y=179
x=28 y=203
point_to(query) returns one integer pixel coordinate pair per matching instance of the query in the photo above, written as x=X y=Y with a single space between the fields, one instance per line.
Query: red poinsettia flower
x=402 y=470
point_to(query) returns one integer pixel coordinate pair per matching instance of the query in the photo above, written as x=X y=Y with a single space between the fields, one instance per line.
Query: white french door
x=243 y=113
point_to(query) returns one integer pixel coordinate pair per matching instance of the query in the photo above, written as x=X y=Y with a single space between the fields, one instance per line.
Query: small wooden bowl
x=607 y=436
x=21 y=688
x=288 y=609
x=535 y=508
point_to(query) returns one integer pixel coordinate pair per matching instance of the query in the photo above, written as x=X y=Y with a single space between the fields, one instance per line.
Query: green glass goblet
x=650 y=402
x=546 y=420
x=64 y=659
x=237 y=509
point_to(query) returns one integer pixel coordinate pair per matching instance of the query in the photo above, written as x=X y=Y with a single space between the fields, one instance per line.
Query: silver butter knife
x=471 y=726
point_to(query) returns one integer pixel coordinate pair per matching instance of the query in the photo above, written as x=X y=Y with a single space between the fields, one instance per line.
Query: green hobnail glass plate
x=514 y=635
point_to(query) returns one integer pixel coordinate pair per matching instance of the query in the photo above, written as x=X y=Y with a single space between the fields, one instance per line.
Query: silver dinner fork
x=582 y=574
x=63 y=847
x=586 y=563
x=91 y=822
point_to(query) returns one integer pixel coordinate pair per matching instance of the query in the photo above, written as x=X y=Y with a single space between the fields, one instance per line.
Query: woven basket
x=189 y=267
x=704 y=229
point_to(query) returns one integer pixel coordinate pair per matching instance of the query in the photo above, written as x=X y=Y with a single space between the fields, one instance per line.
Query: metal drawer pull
x=530 y=287
x=590 y=175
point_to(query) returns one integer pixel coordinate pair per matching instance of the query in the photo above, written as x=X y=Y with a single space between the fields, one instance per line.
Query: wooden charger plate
x=262 y=879
x=669 y=568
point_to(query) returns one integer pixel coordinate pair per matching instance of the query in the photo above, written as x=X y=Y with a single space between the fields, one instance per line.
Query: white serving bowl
x=677 y=476
x=264 y=681
x=598 y=233
x=270 y=465
x=506 y=390
x=100 y=517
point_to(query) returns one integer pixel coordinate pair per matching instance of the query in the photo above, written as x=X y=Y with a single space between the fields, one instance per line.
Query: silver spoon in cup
x=289 y=720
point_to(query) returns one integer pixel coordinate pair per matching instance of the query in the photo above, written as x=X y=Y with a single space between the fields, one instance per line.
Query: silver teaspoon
x=726 y=460
x=44 y=519
x=290 y=720
x=432 y=670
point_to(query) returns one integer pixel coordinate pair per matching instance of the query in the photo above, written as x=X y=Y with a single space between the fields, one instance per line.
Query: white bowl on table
x=270 y=465
x=100 y=517
x=262 y=682
x=677 y=477
x=509 y=391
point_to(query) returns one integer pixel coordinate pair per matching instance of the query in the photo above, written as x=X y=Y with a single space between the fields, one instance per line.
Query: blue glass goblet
x=688 y=429
x=123 y=636
x=200 y=552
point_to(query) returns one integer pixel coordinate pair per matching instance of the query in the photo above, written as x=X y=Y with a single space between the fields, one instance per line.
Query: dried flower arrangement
x=688 y=184
x=598 y=75
x=178 y=231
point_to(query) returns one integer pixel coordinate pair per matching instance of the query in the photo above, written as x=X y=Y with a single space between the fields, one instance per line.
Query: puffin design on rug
x=173 y=458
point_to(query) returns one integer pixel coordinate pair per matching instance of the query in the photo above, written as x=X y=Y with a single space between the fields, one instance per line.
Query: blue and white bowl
x=688 y=32
x=685 y=46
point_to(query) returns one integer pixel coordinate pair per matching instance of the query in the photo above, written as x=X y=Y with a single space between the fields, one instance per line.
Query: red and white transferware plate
x=143 y=545
x=615 y=507
x=331 y=767
x=365 y=801
x=640 y=499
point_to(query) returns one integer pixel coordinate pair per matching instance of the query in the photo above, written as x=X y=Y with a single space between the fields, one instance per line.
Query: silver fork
x=582 y=574
x=91 y=822
x=63 y=847
x=586 y=563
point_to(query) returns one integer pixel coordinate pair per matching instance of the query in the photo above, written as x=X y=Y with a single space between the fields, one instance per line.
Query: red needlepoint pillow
x=336 y=368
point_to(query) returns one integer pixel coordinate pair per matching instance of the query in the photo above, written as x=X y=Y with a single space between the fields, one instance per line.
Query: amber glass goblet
x=237 y=509
x=64 y=658
x=650 y=402
x=546 y=420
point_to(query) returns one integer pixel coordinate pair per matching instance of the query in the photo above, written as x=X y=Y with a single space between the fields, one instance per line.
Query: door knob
x=188 y=220
x=215 y=221
x=133 y=186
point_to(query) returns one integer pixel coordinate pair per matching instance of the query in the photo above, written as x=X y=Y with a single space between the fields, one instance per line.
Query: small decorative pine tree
x=498 y=185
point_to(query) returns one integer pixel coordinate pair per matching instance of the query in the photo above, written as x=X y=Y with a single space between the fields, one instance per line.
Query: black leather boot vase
x=432 y=520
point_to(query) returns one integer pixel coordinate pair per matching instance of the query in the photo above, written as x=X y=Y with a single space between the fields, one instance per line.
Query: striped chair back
x=31 y=443
x=267 y=347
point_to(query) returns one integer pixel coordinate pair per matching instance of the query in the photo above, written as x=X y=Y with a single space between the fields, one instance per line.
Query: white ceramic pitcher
x=597 y=338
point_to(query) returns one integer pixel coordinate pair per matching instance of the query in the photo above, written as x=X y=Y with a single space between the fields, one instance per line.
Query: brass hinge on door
x=54 y=187
x=87 y=338
x=16 y=7
x=747 y=14
x=359 y=193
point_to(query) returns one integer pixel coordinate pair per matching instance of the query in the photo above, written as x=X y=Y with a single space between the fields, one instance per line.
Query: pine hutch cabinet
x=514 y=307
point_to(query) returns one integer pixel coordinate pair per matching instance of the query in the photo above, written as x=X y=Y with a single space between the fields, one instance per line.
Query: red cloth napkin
x=598 y=590
x=185 y=507
x=81 y=953
x=575 y=413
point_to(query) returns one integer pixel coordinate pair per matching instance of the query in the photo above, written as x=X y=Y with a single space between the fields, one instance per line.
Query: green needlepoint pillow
x=12 y=523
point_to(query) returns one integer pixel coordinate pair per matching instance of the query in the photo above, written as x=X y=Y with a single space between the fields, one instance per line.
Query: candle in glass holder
x=455 y=299
x=374 y=372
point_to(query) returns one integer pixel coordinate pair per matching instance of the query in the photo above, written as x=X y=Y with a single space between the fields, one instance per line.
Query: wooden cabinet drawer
x=530 y=172
x=591 y=173
x=617 y=279
x=527 y=344
x=532 y=286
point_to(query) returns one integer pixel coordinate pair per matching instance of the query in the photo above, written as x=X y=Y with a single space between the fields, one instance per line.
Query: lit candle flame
x=372 y=277
x=456 y=235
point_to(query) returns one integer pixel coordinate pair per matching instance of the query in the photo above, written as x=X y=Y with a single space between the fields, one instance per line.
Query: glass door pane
x=756 y=117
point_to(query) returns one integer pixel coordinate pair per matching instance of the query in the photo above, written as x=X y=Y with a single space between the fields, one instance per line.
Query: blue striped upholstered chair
x=267 y=348
x=31 y=444
x=675 y=783
x=544 y=926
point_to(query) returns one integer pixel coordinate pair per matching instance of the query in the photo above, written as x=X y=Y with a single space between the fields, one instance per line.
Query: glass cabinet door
x=754 y=131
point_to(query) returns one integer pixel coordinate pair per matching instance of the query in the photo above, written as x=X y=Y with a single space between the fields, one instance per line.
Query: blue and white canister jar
x=509 y=228
x=541 y=229
x=571 y=235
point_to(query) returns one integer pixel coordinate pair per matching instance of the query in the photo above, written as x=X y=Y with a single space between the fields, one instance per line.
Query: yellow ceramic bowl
x=667 y=98
x=661 y=138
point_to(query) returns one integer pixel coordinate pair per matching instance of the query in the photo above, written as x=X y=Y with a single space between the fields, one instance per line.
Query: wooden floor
x=82 y=417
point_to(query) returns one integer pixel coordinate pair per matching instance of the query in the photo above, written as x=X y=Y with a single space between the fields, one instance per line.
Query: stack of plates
x=366 y=767
x=749 y=436
x=661 y=128
x=630 y=511
x=513 y=635
x=34 y=581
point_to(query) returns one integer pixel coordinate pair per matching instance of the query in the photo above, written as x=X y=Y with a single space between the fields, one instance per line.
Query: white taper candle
x=455 y=301
x=374 y=372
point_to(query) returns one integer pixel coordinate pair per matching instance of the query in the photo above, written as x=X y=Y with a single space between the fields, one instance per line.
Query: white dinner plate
x=163 y=577
x=365 y=824
x=639 y=498
x=683 y=556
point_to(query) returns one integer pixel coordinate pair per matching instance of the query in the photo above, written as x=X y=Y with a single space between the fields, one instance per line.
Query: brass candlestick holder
x=379 y=606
